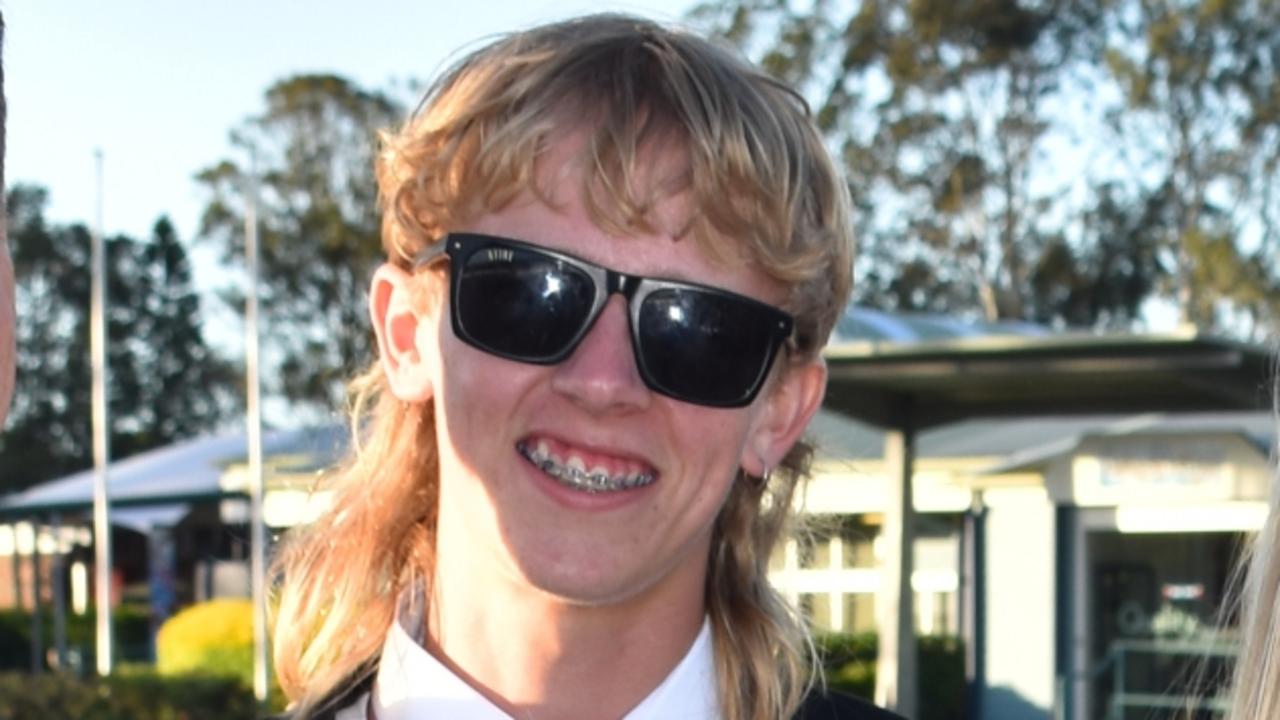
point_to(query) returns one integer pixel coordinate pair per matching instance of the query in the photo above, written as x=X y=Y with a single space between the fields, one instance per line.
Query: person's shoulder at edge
x=835 y=705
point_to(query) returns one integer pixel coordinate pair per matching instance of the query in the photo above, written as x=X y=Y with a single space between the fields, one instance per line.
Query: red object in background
x=1182 y=591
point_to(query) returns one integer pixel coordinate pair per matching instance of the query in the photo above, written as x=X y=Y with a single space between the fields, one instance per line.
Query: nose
x=601 y=374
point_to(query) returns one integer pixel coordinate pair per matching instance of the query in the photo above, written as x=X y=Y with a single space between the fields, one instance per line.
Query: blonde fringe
x=764 y=193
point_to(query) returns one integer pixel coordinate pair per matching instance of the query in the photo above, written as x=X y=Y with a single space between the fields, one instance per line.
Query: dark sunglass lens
x=520 y=303
x=704 y=347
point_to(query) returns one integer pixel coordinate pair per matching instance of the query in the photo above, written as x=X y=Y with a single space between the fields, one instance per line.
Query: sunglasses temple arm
x=430 y=254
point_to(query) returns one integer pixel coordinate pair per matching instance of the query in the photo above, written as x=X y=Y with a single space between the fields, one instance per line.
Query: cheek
x=478 y=398
x=713 y=443
x=429 y=339
x=461 y=394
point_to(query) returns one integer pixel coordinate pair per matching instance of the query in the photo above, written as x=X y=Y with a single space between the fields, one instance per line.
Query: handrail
x=1114 y=662
x=1178 y=647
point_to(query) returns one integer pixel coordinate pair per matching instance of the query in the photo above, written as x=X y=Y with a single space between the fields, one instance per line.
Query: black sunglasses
x=522 y=302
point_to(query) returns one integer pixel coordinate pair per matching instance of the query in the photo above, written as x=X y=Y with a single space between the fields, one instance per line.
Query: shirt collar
x=413 y=684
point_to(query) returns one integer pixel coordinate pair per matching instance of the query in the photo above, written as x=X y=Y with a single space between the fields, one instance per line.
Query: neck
x=540 y=656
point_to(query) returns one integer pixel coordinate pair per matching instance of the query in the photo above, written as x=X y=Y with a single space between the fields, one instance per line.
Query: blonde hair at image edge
x=1255 y=691
x=757 y=172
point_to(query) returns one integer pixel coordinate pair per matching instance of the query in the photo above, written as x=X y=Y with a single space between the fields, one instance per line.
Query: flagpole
x=101 y=441
x=253 y=413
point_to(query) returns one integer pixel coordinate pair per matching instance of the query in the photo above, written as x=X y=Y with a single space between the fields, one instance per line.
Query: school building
x=1090 y=553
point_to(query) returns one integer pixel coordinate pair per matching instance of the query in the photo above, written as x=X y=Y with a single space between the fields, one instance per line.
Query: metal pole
x=37 y=619
x=257 y=534
x=896 y=683
x=59 y=594
x=1117 y=690
x=974 y=587
x=1060 y=695
x=101 y=446
x=15 y=562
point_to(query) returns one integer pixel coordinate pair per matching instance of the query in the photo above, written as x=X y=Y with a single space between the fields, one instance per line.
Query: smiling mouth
x=572 y=471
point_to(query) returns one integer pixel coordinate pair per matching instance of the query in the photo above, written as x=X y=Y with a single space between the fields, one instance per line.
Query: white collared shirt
x=413 y=685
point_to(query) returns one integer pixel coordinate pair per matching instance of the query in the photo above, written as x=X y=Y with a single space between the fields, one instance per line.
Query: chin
x=593 y=585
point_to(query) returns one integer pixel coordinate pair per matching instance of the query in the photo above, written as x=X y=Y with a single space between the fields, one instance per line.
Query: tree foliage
x=1201 y=120
x=1054 y=160
x=310 y=154
x=164 y=383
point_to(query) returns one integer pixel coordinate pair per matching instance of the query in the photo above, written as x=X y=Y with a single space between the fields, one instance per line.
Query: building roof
x=1024 y=439
x=926 y=382
x=189 y=471
x=863 y=324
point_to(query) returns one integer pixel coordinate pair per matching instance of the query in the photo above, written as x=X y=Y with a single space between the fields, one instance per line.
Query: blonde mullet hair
x=763 y=193
x=341 y=575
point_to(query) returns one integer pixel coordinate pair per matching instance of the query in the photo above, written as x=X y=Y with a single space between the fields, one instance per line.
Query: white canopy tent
x=203 y=469
x=153 y=491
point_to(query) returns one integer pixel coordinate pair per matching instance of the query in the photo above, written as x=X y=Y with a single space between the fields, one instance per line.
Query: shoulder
x=828 y=704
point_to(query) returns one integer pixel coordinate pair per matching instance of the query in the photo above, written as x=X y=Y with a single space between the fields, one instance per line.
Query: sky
x=156 y=85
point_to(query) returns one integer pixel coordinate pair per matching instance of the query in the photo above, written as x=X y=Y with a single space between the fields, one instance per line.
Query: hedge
x=125 y=696
x=131 y=626
x=210 y=639
x=849 y=663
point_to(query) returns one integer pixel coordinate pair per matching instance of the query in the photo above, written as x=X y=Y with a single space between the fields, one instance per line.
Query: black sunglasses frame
x=459 y=247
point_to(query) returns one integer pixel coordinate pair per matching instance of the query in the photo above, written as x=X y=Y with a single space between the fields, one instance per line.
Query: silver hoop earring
x=760 y=481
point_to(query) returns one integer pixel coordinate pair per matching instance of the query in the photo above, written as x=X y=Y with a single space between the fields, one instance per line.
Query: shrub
x=210 y=638
x=130 y=696
x=131 y=625
x=942 y=681
x=849 y=663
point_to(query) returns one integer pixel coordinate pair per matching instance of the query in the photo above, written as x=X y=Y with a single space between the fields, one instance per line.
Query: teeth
x=573 y=472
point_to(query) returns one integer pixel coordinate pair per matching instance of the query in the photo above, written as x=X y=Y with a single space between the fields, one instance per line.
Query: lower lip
x=581 y=499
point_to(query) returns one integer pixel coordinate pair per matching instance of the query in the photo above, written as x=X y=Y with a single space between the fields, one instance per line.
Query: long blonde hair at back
x=1255 y=691
x=763 y=192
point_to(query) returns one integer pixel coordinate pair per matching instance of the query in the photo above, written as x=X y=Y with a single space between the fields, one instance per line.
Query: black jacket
x=835 y=705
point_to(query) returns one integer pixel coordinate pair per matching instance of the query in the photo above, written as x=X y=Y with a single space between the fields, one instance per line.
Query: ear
x=789 y=406
x=395 y=322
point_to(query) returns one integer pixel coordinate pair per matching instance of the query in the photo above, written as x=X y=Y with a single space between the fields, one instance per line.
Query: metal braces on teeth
x=581 y=479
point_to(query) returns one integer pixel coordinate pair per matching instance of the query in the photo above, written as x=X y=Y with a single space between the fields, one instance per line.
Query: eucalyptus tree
x=164 y=382
x=309 y=155
x=1199 y=129
x=1064 y=161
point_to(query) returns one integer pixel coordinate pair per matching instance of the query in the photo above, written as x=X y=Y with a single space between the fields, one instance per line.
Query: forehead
x=644 y=232
x=640 y=190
